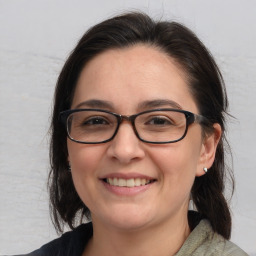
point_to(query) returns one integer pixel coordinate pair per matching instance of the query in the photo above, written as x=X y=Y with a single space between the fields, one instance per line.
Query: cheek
x=177 y=164
x=177 y=176
x=84 y=161
x=83 y=158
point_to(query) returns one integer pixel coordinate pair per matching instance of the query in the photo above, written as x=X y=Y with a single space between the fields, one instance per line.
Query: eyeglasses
x=157 y=126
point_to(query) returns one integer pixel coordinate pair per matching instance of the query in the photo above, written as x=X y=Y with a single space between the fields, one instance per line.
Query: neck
x=161 y=239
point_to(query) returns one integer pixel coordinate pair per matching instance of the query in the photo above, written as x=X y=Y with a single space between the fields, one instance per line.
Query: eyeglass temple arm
x=201 y=119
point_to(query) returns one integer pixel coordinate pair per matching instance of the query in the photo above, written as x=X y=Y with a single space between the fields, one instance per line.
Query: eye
x=95 y=120
x=159 y=120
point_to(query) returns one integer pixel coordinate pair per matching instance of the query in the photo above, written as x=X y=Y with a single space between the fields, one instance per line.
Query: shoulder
x=233 y=249
x=204 y=241
x=69 y=244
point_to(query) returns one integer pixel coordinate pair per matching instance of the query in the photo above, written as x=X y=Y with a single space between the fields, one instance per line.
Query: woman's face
x=121 y=81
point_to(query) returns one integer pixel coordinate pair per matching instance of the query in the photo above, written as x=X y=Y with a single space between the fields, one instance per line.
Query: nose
x=125 y=147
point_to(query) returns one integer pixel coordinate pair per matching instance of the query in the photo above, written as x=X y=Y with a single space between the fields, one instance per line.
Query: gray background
x=36 y=37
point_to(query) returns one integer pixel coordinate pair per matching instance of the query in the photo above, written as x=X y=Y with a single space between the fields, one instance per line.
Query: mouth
x=130 y=183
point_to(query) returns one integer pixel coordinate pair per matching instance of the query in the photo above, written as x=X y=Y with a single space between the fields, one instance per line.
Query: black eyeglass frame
x=190 y=118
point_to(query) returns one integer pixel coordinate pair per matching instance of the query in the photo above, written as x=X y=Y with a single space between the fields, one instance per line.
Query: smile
x=120 y=182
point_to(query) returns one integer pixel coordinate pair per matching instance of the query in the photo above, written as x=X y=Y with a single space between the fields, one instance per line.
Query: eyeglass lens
x=155 y=126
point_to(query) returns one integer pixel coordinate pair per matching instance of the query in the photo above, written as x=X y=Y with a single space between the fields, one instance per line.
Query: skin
x=154 y=221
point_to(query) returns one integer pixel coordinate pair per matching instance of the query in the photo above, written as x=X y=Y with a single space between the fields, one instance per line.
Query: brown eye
x=96 y=121
x=159 y=121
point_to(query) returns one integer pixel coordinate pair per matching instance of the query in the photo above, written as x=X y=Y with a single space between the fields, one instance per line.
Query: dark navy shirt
x=71 y=243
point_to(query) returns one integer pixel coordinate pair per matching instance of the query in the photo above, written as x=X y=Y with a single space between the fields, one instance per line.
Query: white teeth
x=115 y=182
x=122 y=183
x=110 y=181
x=130 y=183
x=137 y=182
x=127 y=183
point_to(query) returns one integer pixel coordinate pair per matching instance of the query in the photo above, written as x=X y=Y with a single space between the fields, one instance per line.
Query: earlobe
x=208 y=150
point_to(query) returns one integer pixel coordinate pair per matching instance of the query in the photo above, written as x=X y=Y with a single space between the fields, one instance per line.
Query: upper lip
x=127 y=176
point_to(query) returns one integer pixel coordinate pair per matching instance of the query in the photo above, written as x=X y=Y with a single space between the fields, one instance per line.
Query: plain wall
x=35 y=39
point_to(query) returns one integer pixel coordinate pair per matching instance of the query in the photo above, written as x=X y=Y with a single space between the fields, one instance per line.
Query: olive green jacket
x=202 y=241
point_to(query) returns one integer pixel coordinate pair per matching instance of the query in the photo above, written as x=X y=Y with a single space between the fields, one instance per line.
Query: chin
x=125 y=219
x=129 y=224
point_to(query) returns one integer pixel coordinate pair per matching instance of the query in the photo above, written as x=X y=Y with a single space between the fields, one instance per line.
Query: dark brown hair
x=206 y=85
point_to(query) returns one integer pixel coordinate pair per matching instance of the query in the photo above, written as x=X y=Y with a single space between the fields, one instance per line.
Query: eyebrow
x=95 y=103
x=159 y=103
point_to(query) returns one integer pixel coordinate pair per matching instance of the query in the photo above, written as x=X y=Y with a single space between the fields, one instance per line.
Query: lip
x=127 y=176
x=126 y=191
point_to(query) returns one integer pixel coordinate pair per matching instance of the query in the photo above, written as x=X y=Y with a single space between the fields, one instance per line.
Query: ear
x=208 y=150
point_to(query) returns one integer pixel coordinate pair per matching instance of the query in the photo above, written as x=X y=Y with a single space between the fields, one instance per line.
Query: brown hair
x=206 y=85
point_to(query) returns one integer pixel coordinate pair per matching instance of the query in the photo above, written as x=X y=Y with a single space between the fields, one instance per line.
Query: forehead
x=126 y=77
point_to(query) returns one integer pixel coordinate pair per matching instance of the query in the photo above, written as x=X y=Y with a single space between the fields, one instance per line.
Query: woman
x=138 y=131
